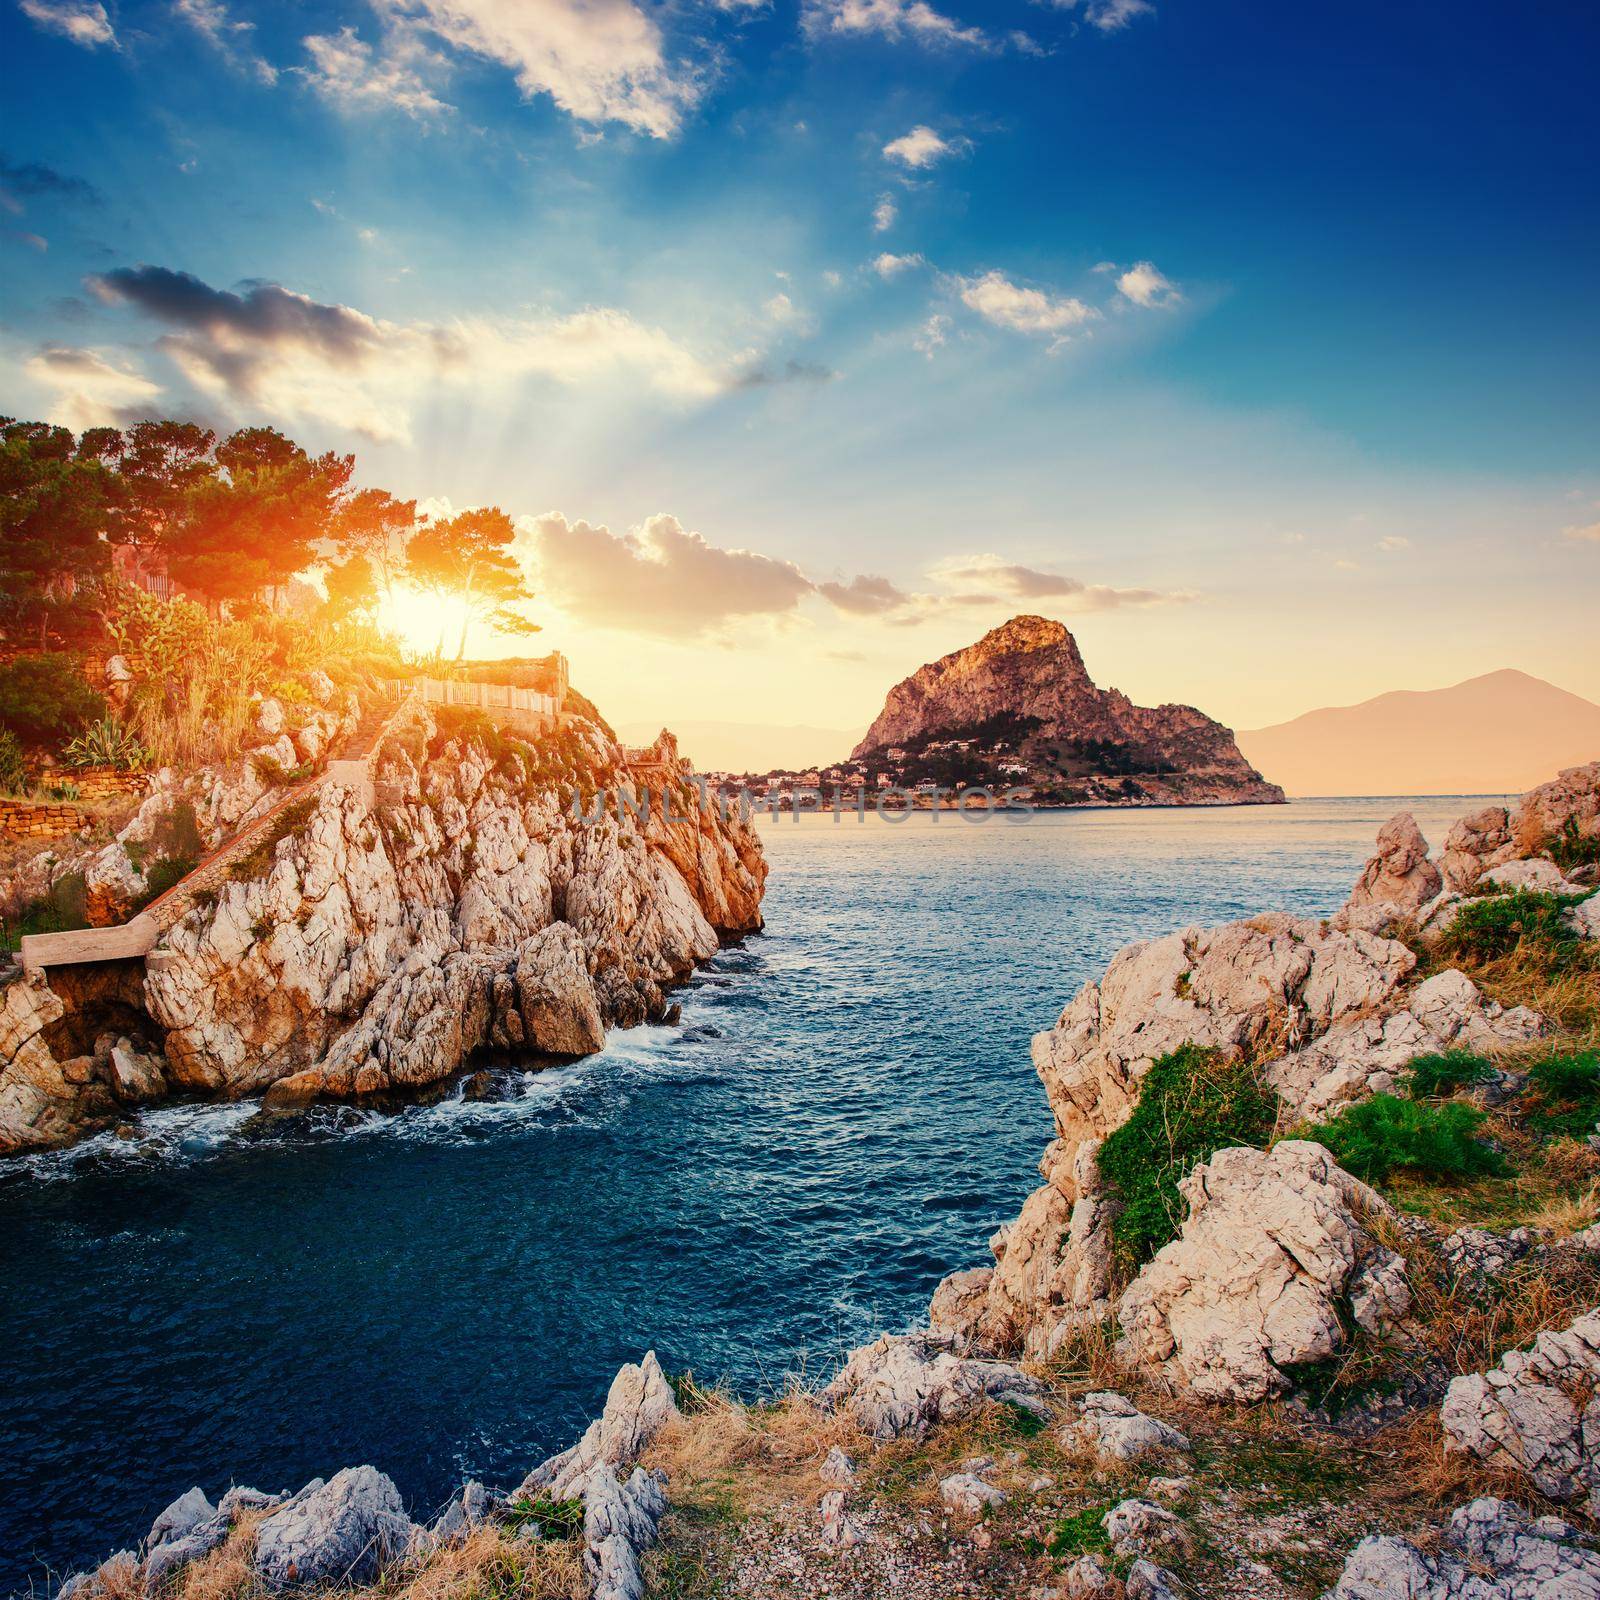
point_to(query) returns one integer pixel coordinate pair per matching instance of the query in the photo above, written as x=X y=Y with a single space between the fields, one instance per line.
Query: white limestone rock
x=1275 y=1241
x=840 y=1531
x=1584 y=918
x=343 y=1531
x=1535 y=874
x=1537 y=1413
x=1142 y=1526
x=1399 y=873
x=1114 y=1428
x=1492 y=1550
x=638 y=1406
x=968 y=1494
x=901 y=1384
x=1365 y=1055
x=620 y=1522
x=837 y=1469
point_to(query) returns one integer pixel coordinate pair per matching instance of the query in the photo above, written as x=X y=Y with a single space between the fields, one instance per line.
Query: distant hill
x=746 y=746
x=1021 y=700
x=1498 y=734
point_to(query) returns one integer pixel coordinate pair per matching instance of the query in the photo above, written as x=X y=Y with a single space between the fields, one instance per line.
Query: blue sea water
x=844 y=1115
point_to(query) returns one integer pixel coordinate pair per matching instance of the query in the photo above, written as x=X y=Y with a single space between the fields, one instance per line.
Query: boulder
x=638 y=1406
x=1085 y=1578
x=620 y=1522
x=1399 y=873
x=343 y=1531
x=269 y=718
x=1536 y=874
x=1147 y=1581
x=556 y=1001
x=1365 y=1054
x=183 y=1516
x=967 y=1493
x=1584 y=918
x=1537 y=1413
x=837 y=1469
x=1275 y=1244
x=1141 y=1526
x=959 y=1305
x=840 y=1531
x=901 y=1384
x=1492 y=1550
x=1114 y=1428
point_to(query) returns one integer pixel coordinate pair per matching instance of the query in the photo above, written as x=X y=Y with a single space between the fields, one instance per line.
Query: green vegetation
x=550 y=1519
x=13 y=774
x=1570 y=849
x=1192 y=1103
x=1384 y=1134
x=1080 y=1533
x=46 y=698
x=1445 y=1073
x=107 y=743
x=1524 y=921
x=62 y=909
x=258 y=860
x=1564 y=1095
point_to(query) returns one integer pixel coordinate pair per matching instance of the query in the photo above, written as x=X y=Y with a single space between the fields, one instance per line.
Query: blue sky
x=1259 y=343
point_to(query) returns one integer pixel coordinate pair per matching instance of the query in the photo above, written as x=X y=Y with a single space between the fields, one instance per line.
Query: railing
x=505 y=698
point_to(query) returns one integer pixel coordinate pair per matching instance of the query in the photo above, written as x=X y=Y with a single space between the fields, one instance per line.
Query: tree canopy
x=469 y=557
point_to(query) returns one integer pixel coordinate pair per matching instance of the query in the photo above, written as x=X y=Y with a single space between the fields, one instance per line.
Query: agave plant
x=106 y=743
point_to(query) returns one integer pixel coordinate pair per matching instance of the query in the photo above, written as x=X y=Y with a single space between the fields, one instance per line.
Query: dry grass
x=1570 y=999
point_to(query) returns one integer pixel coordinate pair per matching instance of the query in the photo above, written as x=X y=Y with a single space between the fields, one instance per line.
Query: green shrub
x=1564 y=1095
x=1081 y=1533
x=107 y=743
x=13 y=775
x=1445 y=1073
x=65 y=907
x=1192 y=1104
x=1385 y=1134
x=177 y=832
x=551 y=1519
x=1570 y=849
x=46 y=698
x=1486 y=930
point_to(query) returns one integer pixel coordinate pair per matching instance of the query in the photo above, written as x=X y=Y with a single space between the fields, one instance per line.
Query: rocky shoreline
x=368 y=947
x=1307 y=1304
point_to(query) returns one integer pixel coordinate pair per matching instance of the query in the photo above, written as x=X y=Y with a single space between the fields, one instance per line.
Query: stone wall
x=40 y=819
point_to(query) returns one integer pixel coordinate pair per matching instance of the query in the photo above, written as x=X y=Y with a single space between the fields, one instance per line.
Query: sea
x=845 y=1113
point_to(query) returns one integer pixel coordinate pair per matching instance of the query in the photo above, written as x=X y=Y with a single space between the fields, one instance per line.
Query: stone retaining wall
x=40 y=819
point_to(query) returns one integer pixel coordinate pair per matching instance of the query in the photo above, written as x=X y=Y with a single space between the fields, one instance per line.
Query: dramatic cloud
x=352 y=77
x=1006 y=579
x=90 y=391
x=891 y=19
x=210 y=19
x=1006 y=304
x=83 y=23
x=1144 y=286
x=883 y=214
x=274 y=349
x=659 y=579
x=922 y=148
x=599 y=60
x=866 y=595
x=891 y=266
x=36 y=180
x=1589 y=533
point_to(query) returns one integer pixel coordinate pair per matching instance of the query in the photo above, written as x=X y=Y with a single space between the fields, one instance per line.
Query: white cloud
x=210 y=19
x=883 y=214
x=1011 y=580
x=932 y=334
x=90 y=390
x=1008 y=305
x=82 y=21
x=1109 y=16
x=1588 y=533
x=832 y=279
x=1145 y=286
x=351 y=76
x=268 y=349
x=599 y=60
x=866 y=595
x=1393 y=542
x=921 y=148
x=891 y=19
x=661 y=578
x=887 y=265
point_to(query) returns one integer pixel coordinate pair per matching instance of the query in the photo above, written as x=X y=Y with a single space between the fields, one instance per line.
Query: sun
x=427 y=622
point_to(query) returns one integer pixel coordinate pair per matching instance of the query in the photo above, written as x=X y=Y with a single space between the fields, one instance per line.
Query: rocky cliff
x=1025 y=682
x=501 y=892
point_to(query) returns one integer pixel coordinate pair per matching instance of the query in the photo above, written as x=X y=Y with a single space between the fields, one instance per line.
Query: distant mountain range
x=1020 y=706
x=1498 y=734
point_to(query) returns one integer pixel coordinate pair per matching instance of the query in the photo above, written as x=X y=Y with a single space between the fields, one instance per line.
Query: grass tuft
x=1385 y=1134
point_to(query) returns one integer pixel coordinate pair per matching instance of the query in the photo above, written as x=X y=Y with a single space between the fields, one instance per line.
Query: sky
x=1258 y=343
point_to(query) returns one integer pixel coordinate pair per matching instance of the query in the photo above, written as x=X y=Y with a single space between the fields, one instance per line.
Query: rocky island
x=1019 y=708
x=1307 y=1304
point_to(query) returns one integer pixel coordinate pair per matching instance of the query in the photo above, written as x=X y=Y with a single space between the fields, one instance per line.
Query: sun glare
x=427 y=622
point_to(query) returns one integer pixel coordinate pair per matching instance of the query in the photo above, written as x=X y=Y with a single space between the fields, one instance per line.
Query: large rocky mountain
x=1023 y=691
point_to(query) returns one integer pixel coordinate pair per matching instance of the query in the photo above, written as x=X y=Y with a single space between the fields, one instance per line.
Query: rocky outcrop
x=1492 y=1550
x=1399 y=873
x=1113 y=1428
x=367 y=950
x=1483 y=840
x=1537 y=1413
x=1030 y=672
x=346 y=1530
x=1275 y=1244
x=902 y=1384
